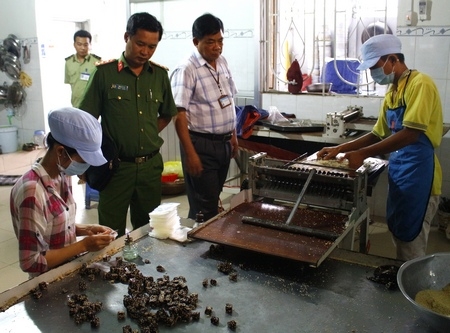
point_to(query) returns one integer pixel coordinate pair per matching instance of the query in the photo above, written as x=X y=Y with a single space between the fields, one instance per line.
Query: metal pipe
x=300 y=197
x=328 y=235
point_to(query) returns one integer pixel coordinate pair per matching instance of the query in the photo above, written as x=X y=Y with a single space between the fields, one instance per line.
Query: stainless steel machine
x=347 y=123
x=301 y=209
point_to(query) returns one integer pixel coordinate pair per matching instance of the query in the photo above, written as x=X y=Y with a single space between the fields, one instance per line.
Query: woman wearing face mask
x=41 y=203
x=409 y=128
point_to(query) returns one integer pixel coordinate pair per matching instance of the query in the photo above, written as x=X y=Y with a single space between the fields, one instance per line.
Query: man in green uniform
x=134 y=99
x=79 y=66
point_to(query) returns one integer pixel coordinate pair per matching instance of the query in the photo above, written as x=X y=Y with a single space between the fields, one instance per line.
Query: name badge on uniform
x=84 y=76
x=224 y=101
x=120 y=87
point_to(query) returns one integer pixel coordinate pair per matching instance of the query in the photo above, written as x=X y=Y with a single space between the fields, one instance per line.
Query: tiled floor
x=17 y=163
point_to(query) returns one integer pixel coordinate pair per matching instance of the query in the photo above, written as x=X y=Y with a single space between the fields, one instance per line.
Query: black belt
x=214 y=137
x=139 y=159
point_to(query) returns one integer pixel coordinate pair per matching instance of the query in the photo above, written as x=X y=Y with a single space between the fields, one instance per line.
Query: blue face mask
x=379 y=77
x=74 y=169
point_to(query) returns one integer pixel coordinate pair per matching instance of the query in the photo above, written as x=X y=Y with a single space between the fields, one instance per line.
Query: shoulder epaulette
x=163 y=67
x=102 y=62
x=68 y=57
x=95 y=56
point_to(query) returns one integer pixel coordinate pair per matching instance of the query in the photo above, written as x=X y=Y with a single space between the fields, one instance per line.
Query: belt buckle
x=139 y=160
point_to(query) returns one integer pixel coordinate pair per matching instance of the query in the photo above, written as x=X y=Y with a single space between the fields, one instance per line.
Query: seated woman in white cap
x=42 y=205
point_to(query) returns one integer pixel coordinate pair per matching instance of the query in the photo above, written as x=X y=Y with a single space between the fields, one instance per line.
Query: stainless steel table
x=270 y=294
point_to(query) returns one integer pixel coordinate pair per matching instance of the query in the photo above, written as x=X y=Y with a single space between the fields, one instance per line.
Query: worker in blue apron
x=410 y=180
x=409 y=129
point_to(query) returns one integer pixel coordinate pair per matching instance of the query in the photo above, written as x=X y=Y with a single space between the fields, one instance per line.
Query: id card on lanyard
x=224 y=100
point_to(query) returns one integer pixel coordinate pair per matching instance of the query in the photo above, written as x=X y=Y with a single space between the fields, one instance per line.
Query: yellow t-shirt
x=423 y=112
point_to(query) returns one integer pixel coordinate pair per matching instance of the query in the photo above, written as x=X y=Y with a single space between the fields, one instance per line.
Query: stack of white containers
x=164 y=220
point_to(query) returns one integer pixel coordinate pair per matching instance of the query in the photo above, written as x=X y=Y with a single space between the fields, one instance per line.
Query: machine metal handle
x=328 y=235
x=300 y=197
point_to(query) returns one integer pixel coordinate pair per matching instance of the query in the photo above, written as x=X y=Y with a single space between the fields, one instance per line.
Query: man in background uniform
x=80 y=65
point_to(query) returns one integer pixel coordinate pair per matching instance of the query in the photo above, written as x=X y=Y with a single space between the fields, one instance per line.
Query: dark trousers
x=203 y=192
x=136 y=187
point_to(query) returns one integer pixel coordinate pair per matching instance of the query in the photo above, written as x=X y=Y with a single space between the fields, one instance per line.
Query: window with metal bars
x=325 y=37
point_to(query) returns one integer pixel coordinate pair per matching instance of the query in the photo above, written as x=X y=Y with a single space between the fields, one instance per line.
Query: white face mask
x=379 y=77
x=74 y=169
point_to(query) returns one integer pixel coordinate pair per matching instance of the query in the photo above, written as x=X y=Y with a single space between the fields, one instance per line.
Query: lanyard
x=215 y=79
x=224 y=100
x=404 y=89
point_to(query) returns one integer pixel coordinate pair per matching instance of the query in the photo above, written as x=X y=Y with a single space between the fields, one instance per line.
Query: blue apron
x=411 y=171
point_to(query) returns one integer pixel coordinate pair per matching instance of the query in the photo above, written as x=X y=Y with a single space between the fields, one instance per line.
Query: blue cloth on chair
x=246 y=117
x=347 y=69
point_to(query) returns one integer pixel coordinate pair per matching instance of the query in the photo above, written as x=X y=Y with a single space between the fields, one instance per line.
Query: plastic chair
x=90 y=195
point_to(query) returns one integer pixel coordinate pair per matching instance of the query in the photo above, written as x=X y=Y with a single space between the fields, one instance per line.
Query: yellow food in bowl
x=435 y=300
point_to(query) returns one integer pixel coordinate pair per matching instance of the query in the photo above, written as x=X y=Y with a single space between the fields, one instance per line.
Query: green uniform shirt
x=130 y=105
x=77 y=75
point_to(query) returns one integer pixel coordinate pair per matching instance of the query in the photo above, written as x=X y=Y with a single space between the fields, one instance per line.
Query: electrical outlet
x=423 y=10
